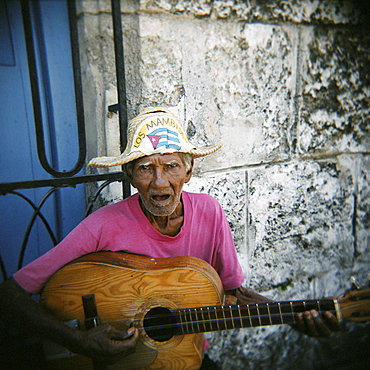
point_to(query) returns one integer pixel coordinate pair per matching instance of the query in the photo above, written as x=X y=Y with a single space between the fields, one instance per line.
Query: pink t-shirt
x=124 y=227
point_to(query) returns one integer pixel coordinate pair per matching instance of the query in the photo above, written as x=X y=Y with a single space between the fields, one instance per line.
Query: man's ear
x=132 y=183
x=189 y=173
x=129 y=176
x=131 y=179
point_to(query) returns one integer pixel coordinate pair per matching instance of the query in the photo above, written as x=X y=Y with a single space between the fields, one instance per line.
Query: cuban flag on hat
x=164 y=137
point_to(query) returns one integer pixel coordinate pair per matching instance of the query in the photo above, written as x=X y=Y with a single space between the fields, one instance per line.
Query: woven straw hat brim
x=124 y=158
x=144 y=135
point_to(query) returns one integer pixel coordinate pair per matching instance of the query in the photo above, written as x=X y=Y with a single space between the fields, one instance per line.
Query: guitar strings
x=253 y=320
x=214 y=324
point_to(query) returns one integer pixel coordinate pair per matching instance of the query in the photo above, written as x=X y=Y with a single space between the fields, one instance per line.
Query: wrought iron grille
x=67 y=178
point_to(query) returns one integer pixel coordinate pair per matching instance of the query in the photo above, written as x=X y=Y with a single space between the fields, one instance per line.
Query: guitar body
x=126 y=287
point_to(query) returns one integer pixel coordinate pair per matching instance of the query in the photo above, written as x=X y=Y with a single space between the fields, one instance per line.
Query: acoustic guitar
x=172 y=301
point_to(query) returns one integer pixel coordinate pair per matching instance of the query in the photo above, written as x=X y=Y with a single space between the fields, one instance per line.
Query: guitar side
x=126 y=286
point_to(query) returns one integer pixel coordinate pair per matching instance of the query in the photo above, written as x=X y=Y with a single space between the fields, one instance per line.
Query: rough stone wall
x=285 y=86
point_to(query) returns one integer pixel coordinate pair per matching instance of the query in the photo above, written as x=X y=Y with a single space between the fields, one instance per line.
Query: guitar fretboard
x=225 y=317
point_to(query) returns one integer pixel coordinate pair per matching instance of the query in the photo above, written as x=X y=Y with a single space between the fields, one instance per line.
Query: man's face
x=159 y=180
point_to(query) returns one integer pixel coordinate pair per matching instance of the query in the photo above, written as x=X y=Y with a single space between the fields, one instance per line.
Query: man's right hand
x=106 y=343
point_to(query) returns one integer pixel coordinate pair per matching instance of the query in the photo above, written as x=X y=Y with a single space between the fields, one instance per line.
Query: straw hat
x=154 y=131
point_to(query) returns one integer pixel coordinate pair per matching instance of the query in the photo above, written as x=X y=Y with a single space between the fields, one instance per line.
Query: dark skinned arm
x=103 y=343
x=309 y=322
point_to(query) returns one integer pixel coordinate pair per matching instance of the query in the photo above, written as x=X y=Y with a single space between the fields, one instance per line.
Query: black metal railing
x=36 y=100
x=64 y=179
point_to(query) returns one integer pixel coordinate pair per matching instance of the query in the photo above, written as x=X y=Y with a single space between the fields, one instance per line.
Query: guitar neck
x=225 y=317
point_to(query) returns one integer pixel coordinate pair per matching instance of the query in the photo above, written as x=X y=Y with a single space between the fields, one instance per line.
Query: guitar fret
x=318 y=306
x=250 y=318
x=195 y=319
x=269 y=313
x=201 y=310
x=201 y=323
x=281 y=316
x=224 y=317
x=209 y=319
x=218 y=326
x=203 y=320
x=337 y=310
x=186 y=325
x=259 y=315
x=232 y=317
x=181 y=322
x=293 y=315
x=240 y=317
x=184 y=322
x=188 y=321
x=191 y=321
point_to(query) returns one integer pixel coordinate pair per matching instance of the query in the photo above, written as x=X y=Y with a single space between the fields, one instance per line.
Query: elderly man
x=161 y=220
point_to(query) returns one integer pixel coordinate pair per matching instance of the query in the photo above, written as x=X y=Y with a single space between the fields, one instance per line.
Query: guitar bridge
x=92 y=318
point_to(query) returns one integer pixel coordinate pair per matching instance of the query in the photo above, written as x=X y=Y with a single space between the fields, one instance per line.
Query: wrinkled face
x=159 y=179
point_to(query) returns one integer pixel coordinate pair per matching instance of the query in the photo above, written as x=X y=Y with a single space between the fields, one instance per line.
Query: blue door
x=19 y=158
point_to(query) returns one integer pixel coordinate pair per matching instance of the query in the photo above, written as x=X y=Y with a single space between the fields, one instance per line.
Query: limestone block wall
x=285 y=86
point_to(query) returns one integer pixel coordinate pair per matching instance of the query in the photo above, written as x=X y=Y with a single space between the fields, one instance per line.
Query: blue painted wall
x=18 y=155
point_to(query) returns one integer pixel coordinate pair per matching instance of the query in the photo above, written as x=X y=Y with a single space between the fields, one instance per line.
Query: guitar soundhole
x=160 y=324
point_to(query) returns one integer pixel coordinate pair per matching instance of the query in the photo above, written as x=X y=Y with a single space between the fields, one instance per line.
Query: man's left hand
x=315 y=325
